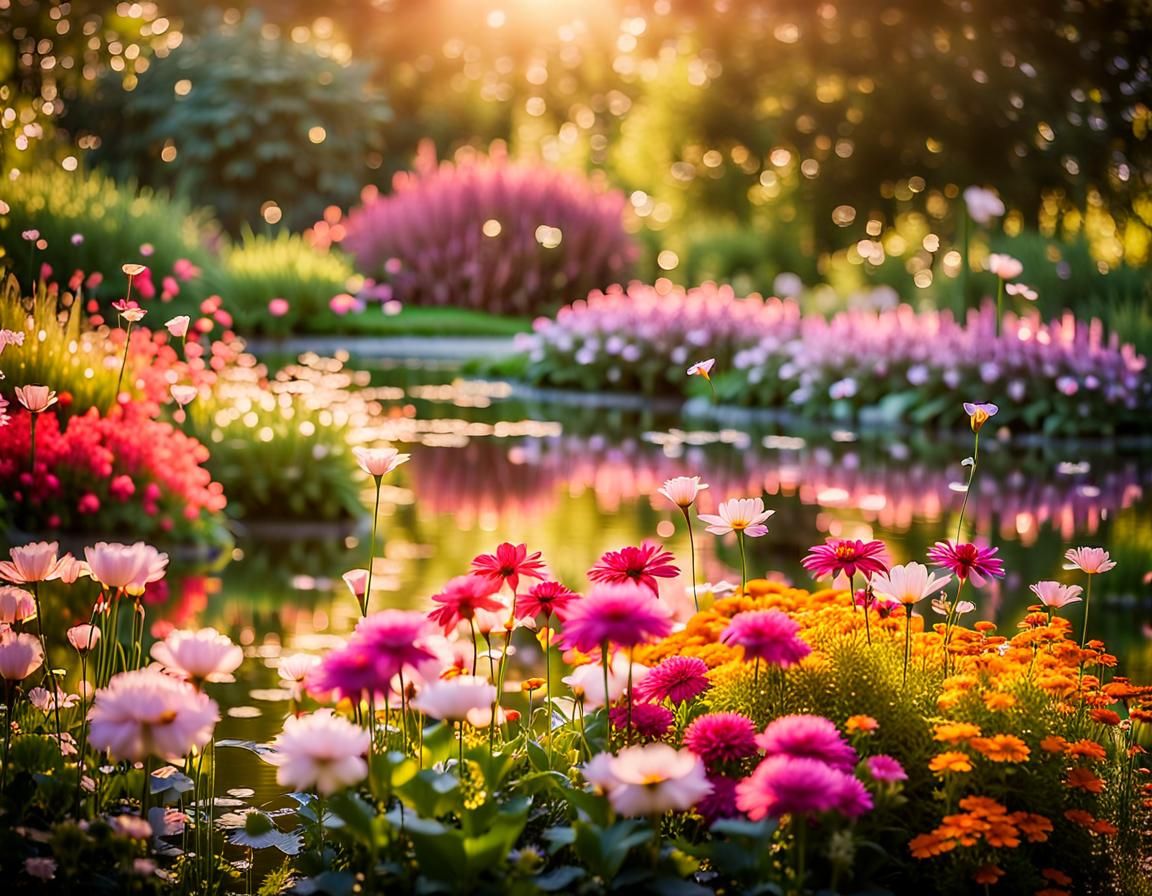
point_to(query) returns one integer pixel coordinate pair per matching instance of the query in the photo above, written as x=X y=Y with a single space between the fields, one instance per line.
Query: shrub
x=487 y=233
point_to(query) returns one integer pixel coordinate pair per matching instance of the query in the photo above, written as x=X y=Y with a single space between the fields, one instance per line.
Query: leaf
x=430 y=793
x=170 y=778
x=558 y=878
x=356 y=814
x=251 y=746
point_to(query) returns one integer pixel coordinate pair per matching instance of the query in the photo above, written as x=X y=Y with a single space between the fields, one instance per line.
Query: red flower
x=841 y=555
x=508 y=564
x=545 y=598
x=632 y=565
x=460 y=600
x=967 y=560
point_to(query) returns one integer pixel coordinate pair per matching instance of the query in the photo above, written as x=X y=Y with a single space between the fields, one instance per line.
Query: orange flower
x=1003 y=835
x=1080 y=778
x=988 y=874
x=861 y=725
x=956 y=732
x=1086 y=749
x=1053 y=743
x=1104 y=827
x=1105 y=717
x=925 y=846
x=1051 y=891
x=998 y=700
x=1001 y=748
x=1035 y=828
x=1082 y=817
x=1056 y=876
x=984 y=626
x=983 y=806
x=946 y=763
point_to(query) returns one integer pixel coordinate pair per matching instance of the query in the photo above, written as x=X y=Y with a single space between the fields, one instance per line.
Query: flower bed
x=1059 y=376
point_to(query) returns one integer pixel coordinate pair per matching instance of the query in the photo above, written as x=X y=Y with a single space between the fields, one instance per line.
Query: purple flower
x=721 y=802
x=648 y=719
x=721 y=737
x=814 y=737
x=768 y=635
x=677 y=678
x=886 y=769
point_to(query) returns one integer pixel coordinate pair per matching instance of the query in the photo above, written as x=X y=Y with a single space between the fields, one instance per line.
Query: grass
x=418 y=322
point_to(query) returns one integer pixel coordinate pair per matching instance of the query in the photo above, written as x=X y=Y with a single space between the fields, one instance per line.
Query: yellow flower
x=947 y=763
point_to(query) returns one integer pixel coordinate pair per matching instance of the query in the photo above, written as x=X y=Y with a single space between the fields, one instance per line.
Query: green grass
x=417 y=322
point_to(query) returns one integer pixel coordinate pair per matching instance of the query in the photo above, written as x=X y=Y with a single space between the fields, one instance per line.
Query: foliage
x=489 y=234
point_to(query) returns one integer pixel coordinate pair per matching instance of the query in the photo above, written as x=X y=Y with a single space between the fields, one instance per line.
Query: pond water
x=574 y=481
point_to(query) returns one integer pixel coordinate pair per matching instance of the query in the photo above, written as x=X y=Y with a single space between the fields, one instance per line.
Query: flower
x=768 y=635
x=979 y=414
x=786 y=785
x=653 y=779
x=130 y=567
x=1022 y=290
x=683 y=490
x=860 y=724
x=885 y=769
x=721 y=737
x=147 y=713
x=967 y=561
x=624 y=615
x=183 y=395
x=178 y=326
x=278 y=307
x=721 y=802
x=35 y=562
x=295 y=669
x=647 y=719
x=1005 y=266
x=460 y=600
x=641 y=565
x=379 y=462
x=546 y=598
x=35 y=399
x=83 y=637
x=379 y=649
x=1056 y=595
x=133 y=270
x=813 y=737
x=40 y=868
x=322 y=752
x=130 y=311
x=1089 y=560
x=702 y=368
x=949 y=762
x=745 y=515
x=204 y=655
x=842 y=555
x=908 y=583
x=20 y=655
x=587 y=680
x=508 y=564
x=453 y=699
x=16 y=604
x=1001 y=748
x=357 y=582
x=678 y=678
x=983 y=205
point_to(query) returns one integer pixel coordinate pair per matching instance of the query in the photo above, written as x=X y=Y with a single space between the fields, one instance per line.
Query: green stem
x=867 y=602
x=692 y=558
x=743 y=562
x=548 y=685
x=403 y=713
x=999 y=302
x=371 y=552
x=144 y=788
x=460 y=763
x=607 y=701
x=475 y=645
x=628 y=732
x=907 y=639
x=124 y=361
x=50 y=675
x=1087 y=604
x=968 y=487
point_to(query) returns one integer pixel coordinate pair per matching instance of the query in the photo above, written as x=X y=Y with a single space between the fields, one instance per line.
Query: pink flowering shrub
x=490 y=234
x=1058 y=376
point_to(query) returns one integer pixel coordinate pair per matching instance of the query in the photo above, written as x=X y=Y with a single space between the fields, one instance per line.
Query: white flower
x=205 y=655
x=321 y=751
x=683 y=490
x=454 y=698
x=379 y=462
x=908 y=583
x=650 y=779
x=738 y=514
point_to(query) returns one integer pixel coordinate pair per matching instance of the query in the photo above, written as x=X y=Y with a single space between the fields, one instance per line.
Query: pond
x=575 y=480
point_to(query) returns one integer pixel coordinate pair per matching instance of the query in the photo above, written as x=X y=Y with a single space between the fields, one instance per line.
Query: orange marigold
x=1053 y=743
x=1086 y=749
x=1003 y=835
x=988 y=874
x=983 y=806
x=1105 y=716
x=1104 y=827
x=1035 y=828
x=860 y=725
x=946 y=763
x=1081 y=778
x=998 y=700
x=1056 y=876
x=956 y=732
x=925 y=846
x=1082 y=817
x=1001 y=748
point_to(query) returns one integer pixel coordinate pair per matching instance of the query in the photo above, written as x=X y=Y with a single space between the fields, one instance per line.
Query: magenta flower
x=624 y=615
x=544 y=599
x=461 y=598
x=678 y=678
x=812 y=737
x=842 y=555
x=768 y=635
x=854 y=799
x=721 y=802
x=394 y=639
x=721 y=737
x=648 y=719
x=787 y=785
x=507 y=565
x=640 y=565
x=885 y=769
x=967 y=561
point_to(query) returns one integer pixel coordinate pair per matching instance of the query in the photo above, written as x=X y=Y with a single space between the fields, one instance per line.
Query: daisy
x=640 y=565
x=508 y=564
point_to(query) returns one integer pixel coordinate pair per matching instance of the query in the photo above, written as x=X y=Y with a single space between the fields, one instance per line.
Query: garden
x=630 y=446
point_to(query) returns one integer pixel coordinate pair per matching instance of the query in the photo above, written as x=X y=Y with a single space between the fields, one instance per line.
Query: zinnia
x=147 y=713
x=507 y=565
x=678 y=678
x=546 y=598
x=768 y=635
x=624 y=615
x=807 y=736
x=967 y=561
x=461 y=598
x=640 y=565
x=204 y=655
x=321 y=751
x=721 y=737
x=647 y=719
x=842 y=555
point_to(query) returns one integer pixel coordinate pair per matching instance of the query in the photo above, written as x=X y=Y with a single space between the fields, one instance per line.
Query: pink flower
x=70 y=569
x=147 y=713
x=806 y=736
x=10 y=337
x=1056 y=595
x=653 y=779
x=983 y=205
x=789 y=785
x=321 y=752
x=683 y=490
x=183 y=395
x=130 y=567
x=83 y=637
x=36 y=399
x=545 y=599
x=648 y=719
x=640 y=565
x=380 y=648
x=453 y=699
x=129 y=310
x=967 y=561
x=721 y=737
x=295 y=669
x=854 y=799
x=508 y=564
x=678 y=678
x=702 y=368
x=377 y=462
x=1089 y=560
x=624 y=615
x=16 y=604
x=204 y=655
x=768 y=635
x=885 y=769
x=40 y=868
x=907 y=583
x=35 y=562
x=461 y=598
x=842 y=555
x=20 y=655
x=357 y=582
x=721 y=802
x=745 y=515
x=278 y=307
x=1005 y=266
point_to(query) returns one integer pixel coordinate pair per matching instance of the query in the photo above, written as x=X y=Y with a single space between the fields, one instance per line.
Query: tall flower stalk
x=377 y=463
x=745 y=517
x=683 y=492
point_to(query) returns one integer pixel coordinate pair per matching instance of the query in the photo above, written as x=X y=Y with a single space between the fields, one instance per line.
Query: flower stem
x=32 y=438
x=628 y=733
x=692 y=558
x=999 y=302
x=371 y=552
x=968 y=487
x=607 y=701
x=1087 y=604
x=907 y=638
x=867 y=602
x=51 y=676
x=743 y=562
x=475 y=644
x=124 y=361
x=548 y=686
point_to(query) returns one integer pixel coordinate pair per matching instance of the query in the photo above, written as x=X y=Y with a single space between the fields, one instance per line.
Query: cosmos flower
x=808 y=736
x=678 y=678
x=462 y=598
x=908 y=583
x=622 y=615
x=508 y=564
x=377 y=462
x=847 y=556
x=967 y=561
x=544 y=599
x=721 y=737
x=768 y=635
x=321 y=752
x=1055 y=595
x=35 y=399
x=1089 y=560
x=452 y=699
x=126 y=566
x=639 y=565
x=745 y=515
x=683 y=490
x=204 y=655
x=651 y=779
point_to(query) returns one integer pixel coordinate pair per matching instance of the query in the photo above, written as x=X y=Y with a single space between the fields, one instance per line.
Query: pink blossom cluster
x=489 y=233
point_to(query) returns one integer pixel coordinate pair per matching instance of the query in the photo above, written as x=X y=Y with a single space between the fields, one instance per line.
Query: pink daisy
x=967 y=561
x=842 y=555
x=648 y=719
x=461 y=598
x=886 y=769
x=394 y=639
x=677 y=678
x=640 y=565
x=507 y=565
x=721 y=737
x=768 y=635
x=544 y=599
x=721 y=802
x=624 y=615
x=787 y=785
x=812 y=737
